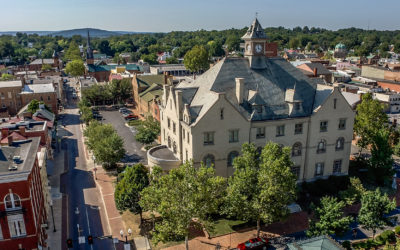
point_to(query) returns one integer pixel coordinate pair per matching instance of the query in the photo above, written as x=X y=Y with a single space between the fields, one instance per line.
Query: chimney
x=179 y=100
x=4 y=132
x=10 y=140
x=315 y=71
x=22 y=130
x=239 y=89
x=165 y=78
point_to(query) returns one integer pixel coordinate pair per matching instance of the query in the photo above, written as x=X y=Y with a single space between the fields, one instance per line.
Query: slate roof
x=99 y=68
x=154 y=91
x=321 y=70
x=270 y=82
x=255 y=31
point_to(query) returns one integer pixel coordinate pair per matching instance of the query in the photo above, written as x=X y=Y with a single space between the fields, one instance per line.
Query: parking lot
x=133 y=152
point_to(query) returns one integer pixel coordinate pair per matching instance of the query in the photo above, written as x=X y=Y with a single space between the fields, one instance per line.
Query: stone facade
x=257 y=99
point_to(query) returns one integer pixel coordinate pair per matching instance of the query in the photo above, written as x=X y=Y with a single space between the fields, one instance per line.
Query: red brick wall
x=393 y=76
x=32 y=199
x=50 y=99
x=271 y=49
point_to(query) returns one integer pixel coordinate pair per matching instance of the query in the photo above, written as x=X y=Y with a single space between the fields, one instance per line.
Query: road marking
x=113 y=218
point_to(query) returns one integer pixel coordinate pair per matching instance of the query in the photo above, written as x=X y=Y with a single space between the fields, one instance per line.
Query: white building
x=255 y=99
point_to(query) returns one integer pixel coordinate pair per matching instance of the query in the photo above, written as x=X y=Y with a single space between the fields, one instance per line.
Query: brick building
x=10 y=101
x=41 y=92
x=147 y=91
x=22 y=206
x=54 y=62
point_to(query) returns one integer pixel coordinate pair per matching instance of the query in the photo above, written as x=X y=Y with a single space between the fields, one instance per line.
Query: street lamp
x=126 y=235
x=52 y=215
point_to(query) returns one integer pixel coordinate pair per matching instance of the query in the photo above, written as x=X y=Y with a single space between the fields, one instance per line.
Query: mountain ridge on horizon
x=71 y=32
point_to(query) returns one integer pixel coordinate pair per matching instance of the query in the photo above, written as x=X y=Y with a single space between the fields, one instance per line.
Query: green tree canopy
x=6 y=77
x=370 y=119
x=262 y=185
x=127 y=191
x=328 y=218
x=196 y=59
x=46 y=67
x=75 y=68
x=120 y=90
x=73 y=52
x=381 y=161
x=33 y=106
x=148 y=130
x=374 y=207
x=184 y=194
x=232 y=42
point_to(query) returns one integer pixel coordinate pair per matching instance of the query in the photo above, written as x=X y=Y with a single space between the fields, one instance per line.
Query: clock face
x=248 y=47
x=258 y=48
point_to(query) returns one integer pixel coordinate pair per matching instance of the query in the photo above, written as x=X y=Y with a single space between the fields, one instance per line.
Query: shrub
x=346 y=244
x=397 y=229
x=387 y=235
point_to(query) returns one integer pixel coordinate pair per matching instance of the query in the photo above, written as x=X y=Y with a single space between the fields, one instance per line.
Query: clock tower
x=254 y=47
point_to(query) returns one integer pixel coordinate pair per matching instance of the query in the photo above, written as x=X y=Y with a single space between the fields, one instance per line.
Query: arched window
x=12 y=201
x=174 y=147
x=321 y=148
x=296 y=149
x=209 y=160
x=339 y=143
x=231 y=156
x=169 y=142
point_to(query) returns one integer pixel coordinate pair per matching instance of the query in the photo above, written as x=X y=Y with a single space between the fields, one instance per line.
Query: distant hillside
x=72 y=32
x=83 y=32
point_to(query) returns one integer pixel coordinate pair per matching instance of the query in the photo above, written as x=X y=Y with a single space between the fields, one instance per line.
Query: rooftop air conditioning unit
x=13 y=168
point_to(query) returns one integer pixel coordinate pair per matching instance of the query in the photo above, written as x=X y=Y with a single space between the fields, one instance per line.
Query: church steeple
x=255 y=40
x=89 y=51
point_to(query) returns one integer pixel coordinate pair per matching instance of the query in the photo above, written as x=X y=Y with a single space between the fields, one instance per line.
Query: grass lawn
x=134 y=123
x=224 y=226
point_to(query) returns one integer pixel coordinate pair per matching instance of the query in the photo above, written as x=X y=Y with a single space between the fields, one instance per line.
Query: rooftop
x=316 y=243
x=26 y=150
x=8 y=84
x=99 y=68
x=38 y=88
x=43 y=61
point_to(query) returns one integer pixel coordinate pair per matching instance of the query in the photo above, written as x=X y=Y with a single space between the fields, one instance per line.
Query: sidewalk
x=105 y=182
x=54 y=238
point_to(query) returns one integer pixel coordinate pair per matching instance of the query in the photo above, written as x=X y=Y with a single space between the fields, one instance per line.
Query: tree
x=75 y=68
x=150 y=58
x=73 y=53
x=109 y=150
x=172 y=60
x=33 y=106
x=127 y=191
x=354 y=192
x=328 y=218
x=262 y=185
x=105 y=48
x=381 y=161
x=46 y=67
x=148 y=130
x=6 y=77
x=374 y=207
x=183 y=195
x=232 y=43
x=215 y=48
x=196 y=59
x=86 y=114
x=294 y=43
x=120 y=90
x=370 y=119
x=107 y=146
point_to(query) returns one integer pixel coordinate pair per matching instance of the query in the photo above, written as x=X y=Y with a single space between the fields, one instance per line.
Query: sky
x=184 y=15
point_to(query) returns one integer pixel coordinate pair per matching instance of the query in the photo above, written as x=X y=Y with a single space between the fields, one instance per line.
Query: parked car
x=124 y=114
x=123 y=109
x=255 y=243
x=131 y=116
x=97 y=116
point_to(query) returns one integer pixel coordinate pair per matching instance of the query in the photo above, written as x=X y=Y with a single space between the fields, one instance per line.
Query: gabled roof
x=271 y=84
x=316 y=243
x=321 y=70
x=15 y=136
x=255 y=31
x=44 y=113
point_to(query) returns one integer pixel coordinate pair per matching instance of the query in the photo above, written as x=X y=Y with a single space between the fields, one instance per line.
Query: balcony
x=162 y=156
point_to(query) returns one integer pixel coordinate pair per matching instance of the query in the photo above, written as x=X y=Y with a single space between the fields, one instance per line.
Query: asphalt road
x=132 y=147
x=84 y=205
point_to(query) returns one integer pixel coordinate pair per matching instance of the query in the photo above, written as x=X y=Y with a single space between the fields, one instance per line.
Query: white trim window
x=12 y=201
x=16 y=225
